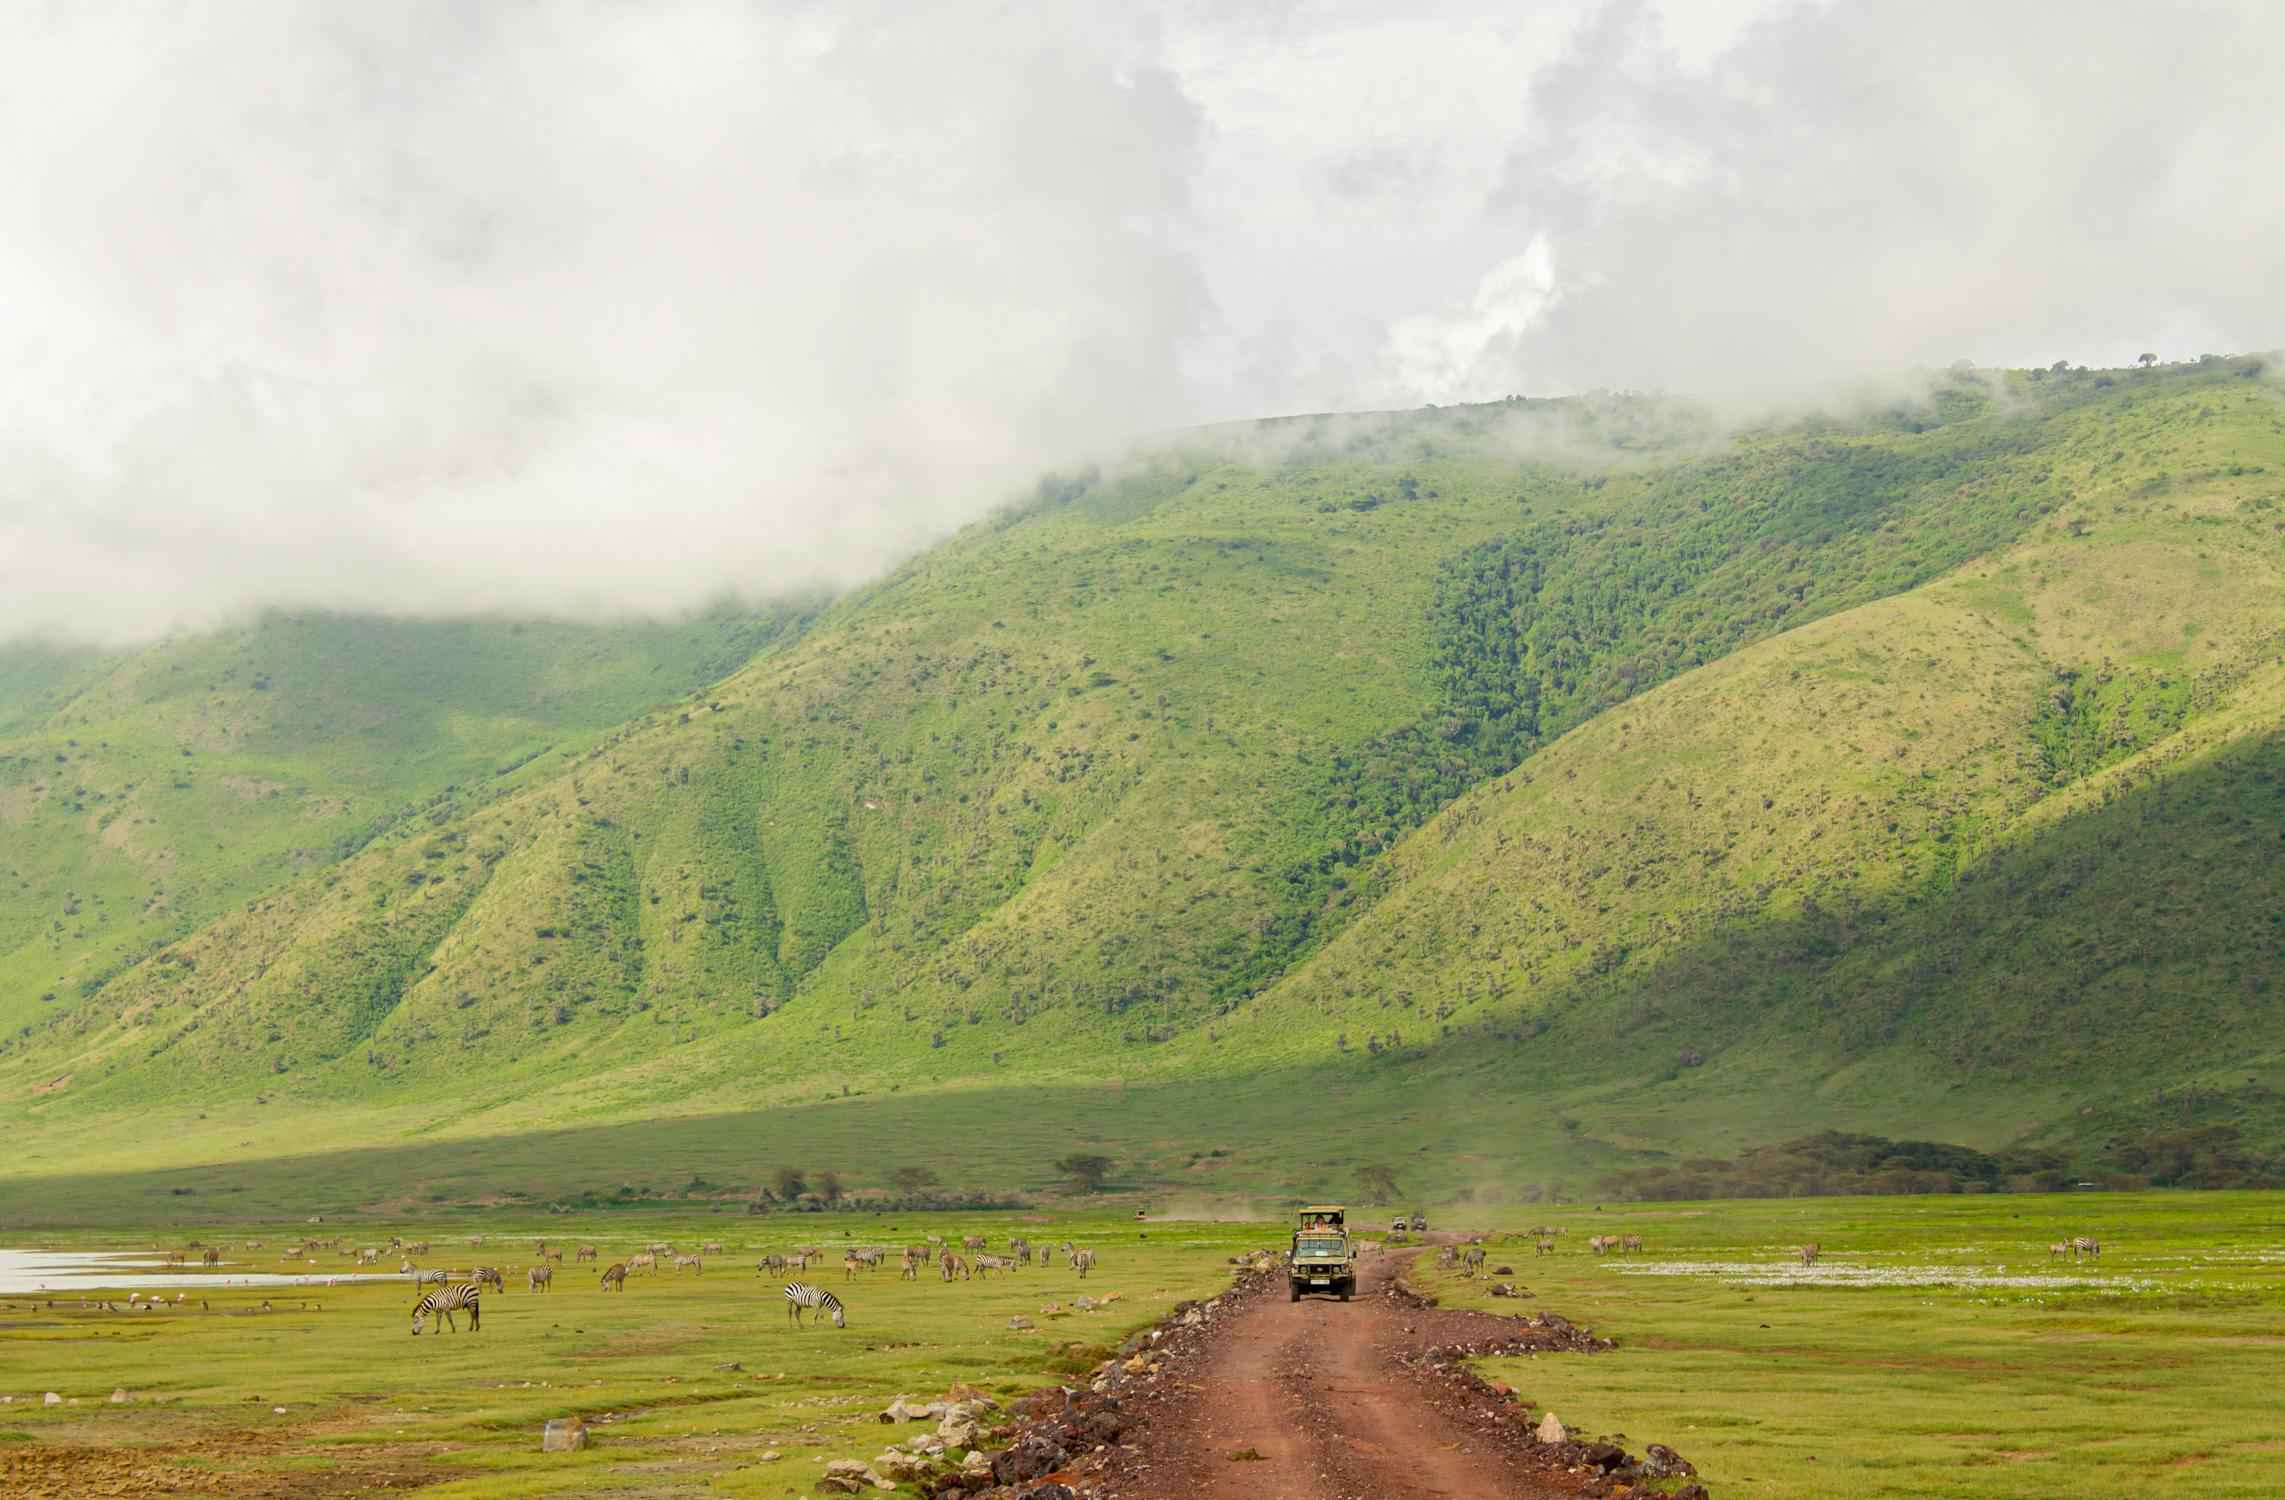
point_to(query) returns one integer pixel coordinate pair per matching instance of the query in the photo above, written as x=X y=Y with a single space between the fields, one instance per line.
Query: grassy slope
x=143 y=793
x=1007 y=825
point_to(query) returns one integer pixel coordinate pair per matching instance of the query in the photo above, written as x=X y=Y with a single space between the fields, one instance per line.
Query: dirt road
x=1339 y=1403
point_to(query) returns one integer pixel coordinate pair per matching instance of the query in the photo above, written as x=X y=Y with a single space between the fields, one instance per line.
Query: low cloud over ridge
x=441 y=308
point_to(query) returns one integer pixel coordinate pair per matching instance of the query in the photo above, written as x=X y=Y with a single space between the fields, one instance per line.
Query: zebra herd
x=458 y=1291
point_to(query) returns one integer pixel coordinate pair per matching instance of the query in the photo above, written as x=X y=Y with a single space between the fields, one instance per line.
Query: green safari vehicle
x=1322 y=1258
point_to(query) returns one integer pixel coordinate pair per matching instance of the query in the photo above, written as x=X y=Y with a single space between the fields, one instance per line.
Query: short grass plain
x=686 y=1379
x=1913 y=1361
x=1936 y=1350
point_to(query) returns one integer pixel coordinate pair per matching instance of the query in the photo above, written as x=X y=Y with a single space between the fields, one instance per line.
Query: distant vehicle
x=1322 y=1258
x=1420 y=1221
x=1396 y=1225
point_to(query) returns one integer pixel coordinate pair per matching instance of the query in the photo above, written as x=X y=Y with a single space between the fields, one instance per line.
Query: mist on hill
x=431 y=310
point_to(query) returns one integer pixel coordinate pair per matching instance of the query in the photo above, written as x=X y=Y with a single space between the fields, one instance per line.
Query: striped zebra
x=584 y=1253
x=984 y=1263
x=684 y=1263
x=1810 y=1252
x=489 y=1276
x=772 y=1263
x=1630 y=1244
x=911 y=1267
x=539 y=1279
x=952 y=1265
x=973 y=1242
x=1082 y=1261
x=615 y=1272
x=1544 y=1245
x=800 y=1295
x=2086 y=1245
x=446 y=1301
x=647 y=1261
x=434 y=1277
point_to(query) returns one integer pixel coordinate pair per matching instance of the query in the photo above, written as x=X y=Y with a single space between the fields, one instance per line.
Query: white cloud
x=587 y=307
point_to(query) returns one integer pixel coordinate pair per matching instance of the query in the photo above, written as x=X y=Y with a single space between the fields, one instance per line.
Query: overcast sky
x=609 y=307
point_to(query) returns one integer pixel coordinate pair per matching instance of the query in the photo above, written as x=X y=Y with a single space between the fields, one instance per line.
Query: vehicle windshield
x=1320 y=1247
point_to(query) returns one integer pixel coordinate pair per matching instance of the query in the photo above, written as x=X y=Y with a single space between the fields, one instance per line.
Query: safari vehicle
x=1322 y=1259
x=1420 y=1221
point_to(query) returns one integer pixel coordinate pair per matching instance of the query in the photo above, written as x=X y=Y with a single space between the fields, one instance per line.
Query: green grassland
x=686 y=1379
x=1906 y=1366
x=2150 y=1371
x=1516 y=791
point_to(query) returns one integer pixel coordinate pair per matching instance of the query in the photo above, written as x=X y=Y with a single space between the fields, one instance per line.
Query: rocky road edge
x=1065 y=1443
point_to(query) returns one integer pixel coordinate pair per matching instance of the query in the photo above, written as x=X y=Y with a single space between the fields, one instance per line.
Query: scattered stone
x=119 y=1397
x=51 y=1399
x=563 y=1435
x=732 y=1366
x=1503 y=1270
x=1248 y=1456
x=1022 y=1324
x=771 y=1455
x=1050 y=1492
x=1550 y=1430
x=1662 y=1462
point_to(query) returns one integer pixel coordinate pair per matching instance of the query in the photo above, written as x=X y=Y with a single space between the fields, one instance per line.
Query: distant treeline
x=1836 y=1162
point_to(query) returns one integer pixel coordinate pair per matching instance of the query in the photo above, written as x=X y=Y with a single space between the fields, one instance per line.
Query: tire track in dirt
x=1337 y=1402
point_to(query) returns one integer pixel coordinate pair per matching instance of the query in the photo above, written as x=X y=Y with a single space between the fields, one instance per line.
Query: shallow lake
x=56 y=1272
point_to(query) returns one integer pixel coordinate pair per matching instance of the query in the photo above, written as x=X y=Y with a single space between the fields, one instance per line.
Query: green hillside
x=1515 y=792
x=144 y=793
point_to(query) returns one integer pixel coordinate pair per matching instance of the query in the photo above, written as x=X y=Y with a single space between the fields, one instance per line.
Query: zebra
x=445 y=1303
x=210 y=1257
x=1810 y=1252
x=426 y=1278
x=1082 y=1261
x=539 y=1278
x=973 y=1242
x=688 y=1263
x=984 y=1263
x=711 y=1247
x=584 y=1253
x=647 y=1261
x=1631 y=1244
x=2058 y=1249
x=1544 y=1245
x=952 y=1265
x=911 y=1268
x=802 y=1294
x=489 y=1276
x=2086 y=1245
x=850 y=1266
x=1473 y=1260
x=772 y=1263
x=615 y=1272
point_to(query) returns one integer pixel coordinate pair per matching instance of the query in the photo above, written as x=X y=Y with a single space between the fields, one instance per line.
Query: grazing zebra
x=584 y=1253
x=2086 y=1245
x=615 y=1272
x=1631 y=1243
x=1473 y=1259
x=1022 y=1249
x=1544 y=1245
x=711 y=1247
x=952 y=1265
x=911 y=1269
x=1602 y=1242
x=1810 y=1252
x=850 y=1266
x=801 y=1294
x=2058 y=1249
x=489 y=1276
x=1082 y=1261
x=210 y=1258
x=445 y=1303
x=772 y=1263
x=688 y=1263
x=417 y=1247
x=553 y=1255
x=973 y=1242
x=538 y=1278
x=424 y=1278
x=646 y=1261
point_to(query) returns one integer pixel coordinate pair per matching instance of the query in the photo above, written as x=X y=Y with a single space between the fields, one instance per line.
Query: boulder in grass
x=563 y=1435
x=1550 y=1430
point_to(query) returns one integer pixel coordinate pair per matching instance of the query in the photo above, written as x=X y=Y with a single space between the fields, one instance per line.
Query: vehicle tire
x=1346 y=1288
x=1293 y=1292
